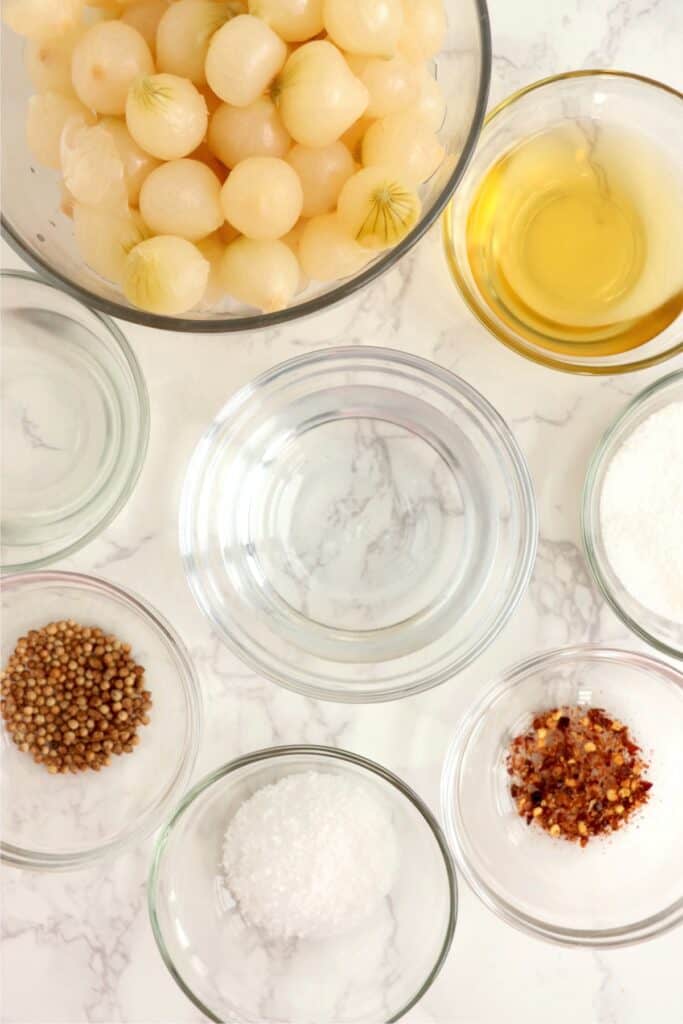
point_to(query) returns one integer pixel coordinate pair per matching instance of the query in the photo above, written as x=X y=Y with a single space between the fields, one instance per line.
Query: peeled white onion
x=92 y=168
x=48 y=113
x=378 y=207
x=48 y=61
x=104 y=238
x=243 y=58
x=106 y=61
x=391 y=84
x=166 y=115
x=260 y=273
x=322 y=171
x=183 y=198
x=262 y=197
x=42 y=19
x=185 y=32
x=430 y=104
x=165 y=275
x=404 y=143
x=236 y=133
x=371 y=27
x=145 y=15
x=212 y=249
x=295 y=21
x=328 y=251
x=137 y=164
x=318 y=96
x=424 y=29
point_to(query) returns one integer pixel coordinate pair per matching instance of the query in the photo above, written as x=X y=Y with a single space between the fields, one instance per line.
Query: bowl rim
x=152 y=817
x=507 y=445
x=590 y=519
x=317 y=751
x=335 y=295
x=608 y=938
x=477 y=308
x=141 y=397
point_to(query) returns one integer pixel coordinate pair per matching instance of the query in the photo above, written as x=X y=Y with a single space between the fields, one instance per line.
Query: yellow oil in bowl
x=575 y=238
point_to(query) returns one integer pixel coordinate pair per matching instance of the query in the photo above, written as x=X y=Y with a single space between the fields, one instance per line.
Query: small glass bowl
x=231 y=971
x=616 y=891
x=75 y=422
x=664 y=634
x=59 y=822
x=358 y=524
x=611 y=97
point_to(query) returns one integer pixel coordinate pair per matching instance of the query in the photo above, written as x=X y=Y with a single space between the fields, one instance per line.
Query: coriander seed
x=61 y=693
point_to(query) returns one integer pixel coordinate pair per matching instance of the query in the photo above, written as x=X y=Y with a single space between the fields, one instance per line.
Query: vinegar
x=575 y=238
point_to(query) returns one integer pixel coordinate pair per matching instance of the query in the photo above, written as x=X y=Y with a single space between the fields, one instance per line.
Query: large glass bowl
x=588 y=98
x=232 y=971
x=619 y=889
x=37 y=231
x=75 y=422
x=358 y=524
x=653 y=627
x=57 y=822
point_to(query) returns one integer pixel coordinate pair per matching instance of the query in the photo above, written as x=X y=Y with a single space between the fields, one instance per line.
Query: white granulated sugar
x=641 y=513
x=310 y=856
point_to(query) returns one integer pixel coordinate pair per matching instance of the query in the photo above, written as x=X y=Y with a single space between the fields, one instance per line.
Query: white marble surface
x=79 y=947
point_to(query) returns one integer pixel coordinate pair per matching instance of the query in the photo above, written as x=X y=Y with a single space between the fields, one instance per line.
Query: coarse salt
x=310 y=856
x=641 y=513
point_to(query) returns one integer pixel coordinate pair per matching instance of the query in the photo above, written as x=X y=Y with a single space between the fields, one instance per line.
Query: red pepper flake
x=577 y=773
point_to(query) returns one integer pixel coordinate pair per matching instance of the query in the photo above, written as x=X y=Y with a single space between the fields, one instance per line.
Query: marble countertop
x=79 y=947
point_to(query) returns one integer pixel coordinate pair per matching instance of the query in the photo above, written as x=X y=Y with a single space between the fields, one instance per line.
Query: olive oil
x=575 y=238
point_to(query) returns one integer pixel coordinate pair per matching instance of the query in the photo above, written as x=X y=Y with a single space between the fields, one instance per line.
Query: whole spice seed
x=71 y=696
x=577 y=773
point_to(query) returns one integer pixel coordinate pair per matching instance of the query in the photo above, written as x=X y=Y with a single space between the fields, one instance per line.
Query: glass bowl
x=75 y=422
x=588 y=98
x=617 y=890
x=663 y=633
x=57 y=822
x=33 y=226
x=358 y=524
x=231 y=971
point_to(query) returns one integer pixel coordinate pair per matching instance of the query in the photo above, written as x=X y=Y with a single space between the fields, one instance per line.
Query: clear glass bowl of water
x=373 y=972
x=358 y=524
x=75 y=422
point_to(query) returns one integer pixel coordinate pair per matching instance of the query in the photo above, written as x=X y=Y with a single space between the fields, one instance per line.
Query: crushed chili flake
x=577 y=773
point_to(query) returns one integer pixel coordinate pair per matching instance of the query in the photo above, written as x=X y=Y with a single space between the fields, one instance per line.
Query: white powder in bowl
x=641 y=513
x=310 y=856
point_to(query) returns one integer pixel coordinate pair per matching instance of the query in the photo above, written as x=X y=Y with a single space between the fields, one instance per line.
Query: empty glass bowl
x=34 y=227
x=589 y=100
x=75 y=422
x=358 y=524
x=617 y=890
x=55 y=822
x=654 y=628
x=231 y=971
